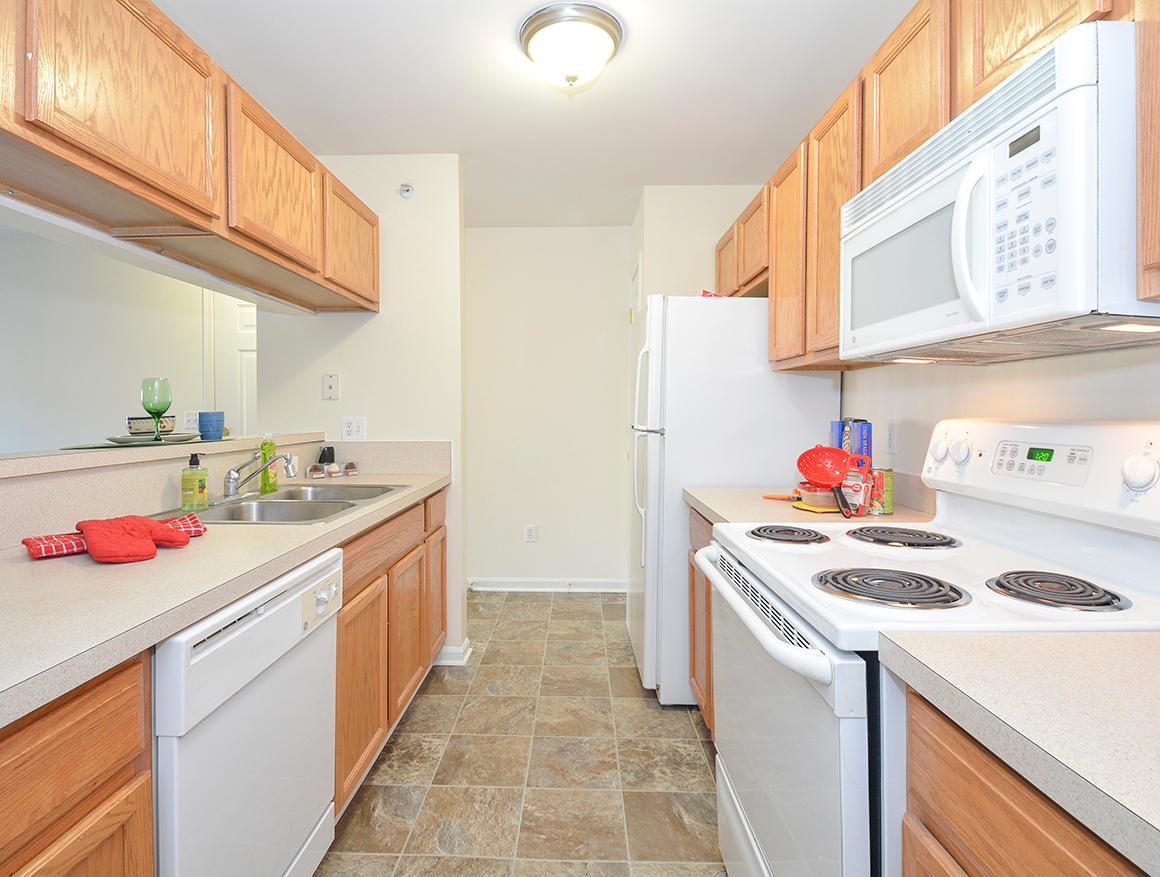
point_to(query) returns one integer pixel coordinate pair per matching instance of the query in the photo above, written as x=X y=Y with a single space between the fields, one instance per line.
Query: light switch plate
x=189 y=421
x=892 y=436
x=354 y=429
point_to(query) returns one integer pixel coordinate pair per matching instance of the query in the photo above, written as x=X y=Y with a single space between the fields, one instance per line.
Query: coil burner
x=892 y=587
x=900 y=537
x=788 y=535
x=1056 y=589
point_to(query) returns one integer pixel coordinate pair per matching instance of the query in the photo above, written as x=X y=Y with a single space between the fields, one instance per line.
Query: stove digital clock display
x=1040 y=455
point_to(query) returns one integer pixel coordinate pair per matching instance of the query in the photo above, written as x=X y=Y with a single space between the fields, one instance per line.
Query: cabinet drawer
x=700 y=531
x=369 y=555
x=62 y=754
x=986 y=816
x=436 y=510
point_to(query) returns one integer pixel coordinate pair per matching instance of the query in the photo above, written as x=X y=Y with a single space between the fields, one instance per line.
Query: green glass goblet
x=156 y=399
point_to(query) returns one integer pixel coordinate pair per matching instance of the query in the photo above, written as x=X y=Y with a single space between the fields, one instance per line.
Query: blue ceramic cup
x=211 y=424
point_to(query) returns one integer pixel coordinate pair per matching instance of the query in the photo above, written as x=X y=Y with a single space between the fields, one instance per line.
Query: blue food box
x=852 y=435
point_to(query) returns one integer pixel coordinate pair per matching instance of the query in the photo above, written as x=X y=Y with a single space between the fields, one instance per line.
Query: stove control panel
x=1043 y=461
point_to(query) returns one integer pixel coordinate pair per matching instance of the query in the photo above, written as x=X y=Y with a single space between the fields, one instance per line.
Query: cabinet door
x=115 y=839
x=994 y=37
x=727 y=262
x=119 y=80
x=907 y=88
x=753 y=238
x=350 y=246
x=435 y=602
x=407 y=645
x=835 y=163
x=787 y=257
x=275 y=184
x=922 y=855
x=360 y=718
x=1148 y=150
x=700 y=642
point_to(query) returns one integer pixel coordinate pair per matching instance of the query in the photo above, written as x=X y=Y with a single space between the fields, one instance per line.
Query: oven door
x=920 y=271
x=790 y=729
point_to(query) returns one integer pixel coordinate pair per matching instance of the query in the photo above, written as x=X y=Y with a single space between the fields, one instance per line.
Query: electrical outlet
x=892 y=436
x=330 y=387
x=189 y=421
x=354 y=429
x=529 y=532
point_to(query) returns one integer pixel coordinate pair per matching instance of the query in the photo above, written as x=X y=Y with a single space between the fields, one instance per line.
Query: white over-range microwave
x=1011 y=233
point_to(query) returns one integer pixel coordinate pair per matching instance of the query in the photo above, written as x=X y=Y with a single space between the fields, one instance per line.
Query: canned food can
x=881 y=491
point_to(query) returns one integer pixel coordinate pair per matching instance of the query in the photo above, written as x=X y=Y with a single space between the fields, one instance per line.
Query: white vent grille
x=988 y=116
x=760 y=604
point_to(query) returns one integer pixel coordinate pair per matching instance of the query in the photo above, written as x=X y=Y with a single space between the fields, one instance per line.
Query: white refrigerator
x=708 y=412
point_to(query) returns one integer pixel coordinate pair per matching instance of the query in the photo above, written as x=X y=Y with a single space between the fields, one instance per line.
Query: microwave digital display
x=1020 y=143
x=1041 y=455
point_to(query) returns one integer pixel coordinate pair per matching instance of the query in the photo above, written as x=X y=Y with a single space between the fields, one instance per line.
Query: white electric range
x=1040 y=527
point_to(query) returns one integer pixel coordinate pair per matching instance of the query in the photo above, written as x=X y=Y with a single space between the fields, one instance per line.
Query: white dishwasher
x=244 y=720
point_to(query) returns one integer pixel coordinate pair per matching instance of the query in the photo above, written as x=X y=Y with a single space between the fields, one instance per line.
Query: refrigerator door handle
x=636 y=418
x=640 y=430
x=640 y=510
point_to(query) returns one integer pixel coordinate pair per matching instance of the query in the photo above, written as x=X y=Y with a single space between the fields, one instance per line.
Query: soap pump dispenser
x=194 y=486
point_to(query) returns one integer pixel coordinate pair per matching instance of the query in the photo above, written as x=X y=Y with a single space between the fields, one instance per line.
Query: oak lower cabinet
x=700 y=621
x=969 y=813
x=906 y=88
x=361 y=716
x=77 y=795
x=435 y=600
x=727 y=262
x=408 y=650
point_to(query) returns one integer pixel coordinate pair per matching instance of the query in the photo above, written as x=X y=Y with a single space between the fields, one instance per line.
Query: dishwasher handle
x=810 y=663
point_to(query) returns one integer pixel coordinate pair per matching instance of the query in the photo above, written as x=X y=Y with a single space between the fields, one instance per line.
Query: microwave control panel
x=1043 y=461
x=1026 y=198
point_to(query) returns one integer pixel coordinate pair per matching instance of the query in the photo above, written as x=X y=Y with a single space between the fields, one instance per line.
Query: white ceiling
x=701 y=92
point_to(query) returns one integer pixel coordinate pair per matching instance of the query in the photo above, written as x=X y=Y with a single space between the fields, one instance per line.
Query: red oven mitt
x=128 y=539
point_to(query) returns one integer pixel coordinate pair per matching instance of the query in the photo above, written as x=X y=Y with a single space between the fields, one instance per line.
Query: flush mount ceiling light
x=570 y=43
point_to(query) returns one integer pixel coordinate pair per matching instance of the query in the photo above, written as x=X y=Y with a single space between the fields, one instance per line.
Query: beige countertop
x=722 y=505
x=1076 y=714
x=65 y=620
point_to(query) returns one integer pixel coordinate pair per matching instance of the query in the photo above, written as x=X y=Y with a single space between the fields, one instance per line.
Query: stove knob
x=961 y=452
x=1139 y=472
x=938 y=450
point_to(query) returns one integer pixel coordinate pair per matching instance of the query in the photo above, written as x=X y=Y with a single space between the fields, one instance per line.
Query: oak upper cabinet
x=727 y=262
x=119 y=80
x=435 y=602
x=787 y=257
x=906 y=88
x=408 y=652
x=77 y=796
x=1148 y=150
x=753 y=238
x=835 y=176
x=992 y=38
x=275 y=184
x=350 y=248
x=361 y=716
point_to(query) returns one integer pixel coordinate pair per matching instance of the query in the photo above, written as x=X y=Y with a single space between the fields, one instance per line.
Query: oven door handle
x=960 y=234
x=809 y=663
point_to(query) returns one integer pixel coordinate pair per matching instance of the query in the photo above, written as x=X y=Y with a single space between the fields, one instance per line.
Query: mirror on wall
x=81 y=328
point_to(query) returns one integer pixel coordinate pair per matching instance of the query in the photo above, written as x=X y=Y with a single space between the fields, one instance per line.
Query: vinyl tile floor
x=543 y=757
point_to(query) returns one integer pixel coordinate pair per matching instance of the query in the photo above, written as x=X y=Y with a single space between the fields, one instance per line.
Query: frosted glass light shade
x=570 y=43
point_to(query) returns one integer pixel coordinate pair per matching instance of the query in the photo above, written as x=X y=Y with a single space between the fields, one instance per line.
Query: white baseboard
x=577 y=586
x=454 y=656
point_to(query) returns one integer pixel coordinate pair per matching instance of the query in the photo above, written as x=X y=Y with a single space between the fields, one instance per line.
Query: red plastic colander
x=828 y=467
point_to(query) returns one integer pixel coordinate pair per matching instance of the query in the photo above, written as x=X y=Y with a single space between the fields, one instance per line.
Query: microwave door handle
x=960 y=233
x=809 y=663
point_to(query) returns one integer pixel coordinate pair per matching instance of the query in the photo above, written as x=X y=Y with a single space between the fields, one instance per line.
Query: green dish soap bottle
x=269 y=473
x=194 y=486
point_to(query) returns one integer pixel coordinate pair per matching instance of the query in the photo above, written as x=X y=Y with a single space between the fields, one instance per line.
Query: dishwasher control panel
x=320 y=601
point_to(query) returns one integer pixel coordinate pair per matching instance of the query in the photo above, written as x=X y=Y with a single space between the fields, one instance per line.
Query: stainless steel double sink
x=296 y=504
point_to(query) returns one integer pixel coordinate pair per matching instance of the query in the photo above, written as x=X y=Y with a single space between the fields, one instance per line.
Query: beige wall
x=546 y=384
x=1117 y=385
x=399 y=368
